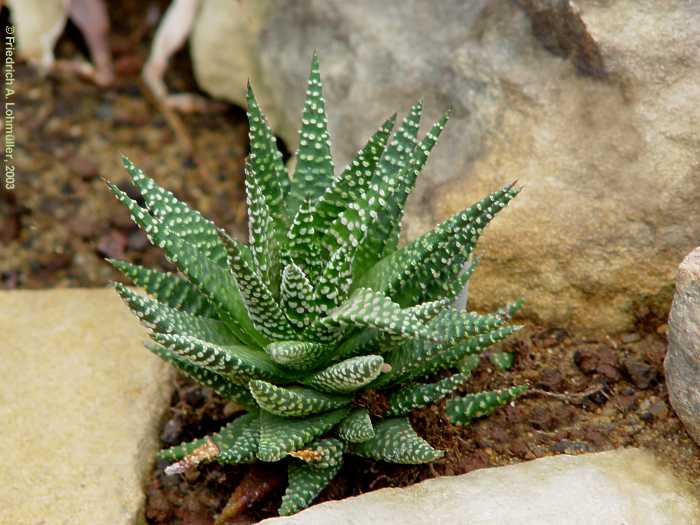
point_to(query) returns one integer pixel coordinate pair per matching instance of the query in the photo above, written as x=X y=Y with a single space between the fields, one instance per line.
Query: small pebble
x=112 y=245
x=171 y=431
x=631 y=338
x=659 y=409
x=567 y=446
x=552 y=379
x=601 y=359
x=195 y=397
x=626 y=403
x=641 y=373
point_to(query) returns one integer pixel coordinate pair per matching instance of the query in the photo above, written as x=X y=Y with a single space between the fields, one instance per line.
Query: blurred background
x=60 y=222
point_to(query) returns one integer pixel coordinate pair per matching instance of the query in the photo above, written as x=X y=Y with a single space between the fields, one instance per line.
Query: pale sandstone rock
x=621 y=487
x=682 y=363
x=80 y=405
x=601 y=127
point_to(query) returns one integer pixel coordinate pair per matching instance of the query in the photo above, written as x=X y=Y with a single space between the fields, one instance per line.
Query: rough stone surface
x=682 y=362
x=594 y=109
x=618 y=487
x=80 y=405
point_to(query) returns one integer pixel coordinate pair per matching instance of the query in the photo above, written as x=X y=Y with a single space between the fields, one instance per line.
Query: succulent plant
x=322 y=312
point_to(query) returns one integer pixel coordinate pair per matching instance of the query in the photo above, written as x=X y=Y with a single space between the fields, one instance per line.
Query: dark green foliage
x=321 y=305
x=237 y=442
x=394 y=440
x=357 y=427
x=419 y=395
x=502 y=360
x=293 y=401
x=461 y=410
x=304 y=484
x=279 y=435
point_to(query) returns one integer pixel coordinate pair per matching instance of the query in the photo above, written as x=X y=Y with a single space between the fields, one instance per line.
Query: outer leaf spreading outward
x=321 y=306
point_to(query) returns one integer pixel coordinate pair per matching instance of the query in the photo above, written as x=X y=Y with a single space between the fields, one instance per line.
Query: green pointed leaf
x=396 y=442
x=176 y=216
x=403 y=144
x=462 y=410
x=262 y=237
x=168 y=289
x=279 y=436
x=399 y=168
x=383 y=235
x=262 y=308
x=468 y=363
x=421 y=358
x=294 y=401
x=502 y=360
x=297 y=297
x=429 y=266
x=353 y=181
x=473 y=345
x=218 y=383
x=439 y=260
x=322 y=453
x=334 y=283
x=211 y=280
x=266 y=159
x=301 y=246
x=426 y=311
x=167 y=320
x=299 y=355
x=454 y=326
x=304 y=485
x=238 y=363
x=370 y=309
x=423 y=394
x=357 y=427
x=178 y=452
x=314 y=169
x=459 y=288
x=347 y=376
x=310 y=226
x=237 y=442
x=509 y=310
x=353 y=224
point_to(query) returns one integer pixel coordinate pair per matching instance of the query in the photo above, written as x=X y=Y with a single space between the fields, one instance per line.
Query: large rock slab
x=682 y=363
x=80 y=405
x=617 y=487
x=593 y=109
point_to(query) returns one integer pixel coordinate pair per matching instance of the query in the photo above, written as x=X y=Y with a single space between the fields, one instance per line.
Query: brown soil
x=60 y=222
